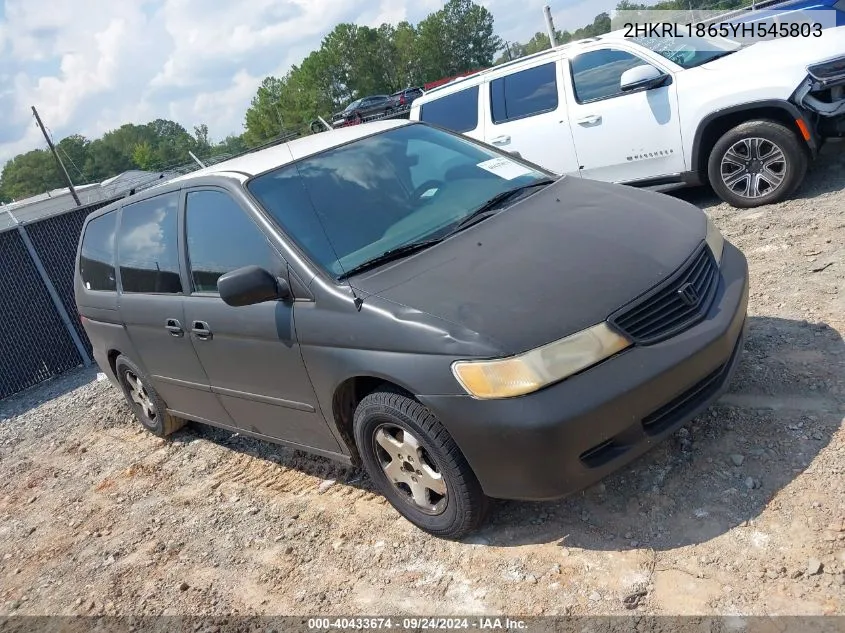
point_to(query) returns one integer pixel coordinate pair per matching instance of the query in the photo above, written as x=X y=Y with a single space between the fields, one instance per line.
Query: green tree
x=263 y=118
x=203 y=144
x=143 y=156
x=29 y=174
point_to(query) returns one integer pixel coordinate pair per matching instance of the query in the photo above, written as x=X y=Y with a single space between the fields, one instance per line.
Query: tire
x=394 y=416
x=751 y=144
x=153 y=414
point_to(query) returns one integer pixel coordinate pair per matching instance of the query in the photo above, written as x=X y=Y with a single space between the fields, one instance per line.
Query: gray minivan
x=462 y=323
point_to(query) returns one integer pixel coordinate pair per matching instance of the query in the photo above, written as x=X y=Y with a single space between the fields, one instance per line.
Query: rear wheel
x=417 y=465
x=144 y=400
x=757 y=163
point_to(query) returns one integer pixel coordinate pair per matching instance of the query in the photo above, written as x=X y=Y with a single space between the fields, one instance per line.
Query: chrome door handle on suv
x=501 y=140
x=174 y=327
x=593 y=119
x=201 y=330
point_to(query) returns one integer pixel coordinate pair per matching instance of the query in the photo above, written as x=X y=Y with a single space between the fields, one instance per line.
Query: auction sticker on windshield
x=504 y=168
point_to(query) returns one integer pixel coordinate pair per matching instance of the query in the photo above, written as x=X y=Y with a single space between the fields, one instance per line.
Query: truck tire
x=757 y=163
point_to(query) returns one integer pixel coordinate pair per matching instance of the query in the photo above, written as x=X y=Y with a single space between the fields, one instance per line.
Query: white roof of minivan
x=284 y=153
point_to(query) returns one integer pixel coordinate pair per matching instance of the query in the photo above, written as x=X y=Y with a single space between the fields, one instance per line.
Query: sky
x=89 y=66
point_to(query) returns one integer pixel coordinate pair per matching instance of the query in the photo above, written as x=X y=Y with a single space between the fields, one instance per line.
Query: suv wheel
x=757 y=163
x=417 y=466
x=144 y=400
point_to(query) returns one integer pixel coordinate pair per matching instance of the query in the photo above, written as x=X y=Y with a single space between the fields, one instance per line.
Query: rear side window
x=598 y=74
x=148 y=246
x=524 y=94
x=457 y=112
x=96 y=261
x=222 y=238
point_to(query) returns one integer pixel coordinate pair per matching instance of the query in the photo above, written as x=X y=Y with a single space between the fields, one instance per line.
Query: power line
x=70 y=160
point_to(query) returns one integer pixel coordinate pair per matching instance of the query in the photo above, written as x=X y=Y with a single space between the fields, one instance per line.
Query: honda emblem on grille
x=688 y=294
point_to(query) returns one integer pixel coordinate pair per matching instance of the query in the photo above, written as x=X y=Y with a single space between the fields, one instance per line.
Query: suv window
x=457 y=112
x=221 y=237
x=96 y=261
x=148 y=246
x=597 y=74
x=525 y=93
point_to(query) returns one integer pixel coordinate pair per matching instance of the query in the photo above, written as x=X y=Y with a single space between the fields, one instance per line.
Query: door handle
x=501 y=140
x=592 y=119
x=174 y=327
x=201 y=330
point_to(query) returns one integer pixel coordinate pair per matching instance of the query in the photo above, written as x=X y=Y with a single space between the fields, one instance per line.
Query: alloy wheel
x=753 y=167
x=407 y=466
x=138 y=394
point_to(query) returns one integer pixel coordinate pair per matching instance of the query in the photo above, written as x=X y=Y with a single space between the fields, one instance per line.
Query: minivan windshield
x=352 y=204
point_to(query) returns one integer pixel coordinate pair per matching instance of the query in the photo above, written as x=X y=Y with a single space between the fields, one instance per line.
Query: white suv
x=661 y=113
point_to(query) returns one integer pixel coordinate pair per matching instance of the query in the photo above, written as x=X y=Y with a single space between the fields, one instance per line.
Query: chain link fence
x=34 y=343
x=41 y=334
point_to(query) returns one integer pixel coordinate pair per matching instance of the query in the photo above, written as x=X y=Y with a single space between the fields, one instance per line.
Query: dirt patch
x=741 y=512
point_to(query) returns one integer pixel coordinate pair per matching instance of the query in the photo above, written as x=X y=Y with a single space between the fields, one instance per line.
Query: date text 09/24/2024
x=757 y=30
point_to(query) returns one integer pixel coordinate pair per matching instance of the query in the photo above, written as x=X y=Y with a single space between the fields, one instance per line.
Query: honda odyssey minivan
x=460 y=322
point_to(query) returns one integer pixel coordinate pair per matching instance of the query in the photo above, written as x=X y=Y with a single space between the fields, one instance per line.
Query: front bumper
x=566 y=437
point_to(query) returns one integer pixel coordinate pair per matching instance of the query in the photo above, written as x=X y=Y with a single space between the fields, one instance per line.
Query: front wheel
x=757 y=163
x=417 y=466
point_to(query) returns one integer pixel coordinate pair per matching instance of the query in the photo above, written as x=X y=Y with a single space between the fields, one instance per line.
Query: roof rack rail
x=559 y=47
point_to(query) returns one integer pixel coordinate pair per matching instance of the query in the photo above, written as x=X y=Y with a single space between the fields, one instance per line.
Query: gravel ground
x=742 y=512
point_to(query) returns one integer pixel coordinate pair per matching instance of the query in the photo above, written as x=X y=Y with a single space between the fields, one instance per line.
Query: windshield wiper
x=389 y=256
x=413 y=247
x=492 y=203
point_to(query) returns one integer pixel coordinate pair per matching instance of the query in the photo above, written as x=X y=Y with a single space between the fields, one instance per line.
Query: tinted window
x=598 y=74
x=221 y=238
x=147 y=246
x=375 y=194
x=96 y=261
x=522 y=94
x=457 y=111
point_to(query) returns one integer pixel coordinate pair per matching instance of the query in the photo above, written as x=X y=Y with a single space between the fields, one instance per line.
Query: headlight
x=535 y=369
x=715 y=240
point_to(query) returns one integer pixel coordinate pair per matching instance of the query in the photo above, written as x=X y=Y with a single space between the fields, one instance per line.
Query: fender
x=790 y=108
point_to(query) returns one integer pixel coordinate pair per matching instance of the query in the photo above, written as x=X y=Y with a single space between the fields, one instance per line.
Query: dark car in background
x=404 y=98
x=364 y=107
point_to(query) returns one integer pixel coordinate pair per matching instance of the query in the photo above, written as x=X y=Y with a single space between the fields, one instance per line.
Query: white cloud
x=91 y=65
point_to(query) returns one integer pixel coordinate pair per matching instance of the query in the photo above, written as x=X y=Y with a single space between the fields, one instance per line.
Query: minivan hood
x=561 y=260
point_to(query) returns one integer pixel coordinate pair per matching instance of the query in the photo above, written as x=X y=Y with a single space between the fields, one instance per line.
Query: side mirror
x=250 y=285
x=642 y=77
x=514 y=153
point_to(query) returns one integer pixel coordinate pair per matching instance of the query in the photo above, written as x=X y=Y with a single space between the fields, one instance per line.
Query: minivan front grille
x=674 y=305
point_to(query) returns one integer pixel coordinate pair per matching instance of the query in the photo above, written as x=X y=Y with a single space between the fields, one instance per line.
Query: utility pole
x=56 y=156
x=550 y=25
x=197 y=160
x=508 y=46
